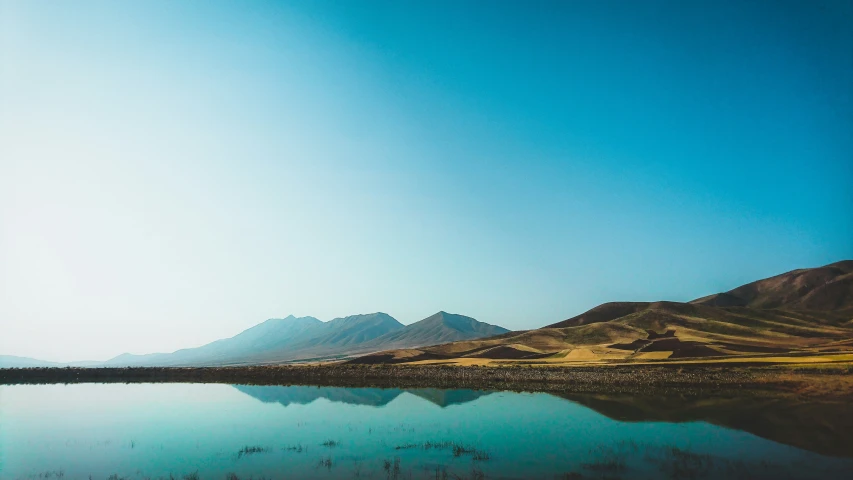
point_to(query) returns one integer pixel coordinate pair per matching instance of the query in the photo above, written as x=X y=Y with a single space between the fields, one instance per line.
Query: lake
x=214 y=431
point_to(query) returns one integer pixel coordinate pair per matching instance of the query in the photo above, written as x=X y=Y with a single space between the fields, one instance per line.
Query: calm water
x=154 y=430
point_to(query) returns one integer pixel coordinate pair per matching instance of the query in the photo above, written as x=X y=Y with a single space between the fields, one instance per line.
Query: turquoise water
x=212 y=431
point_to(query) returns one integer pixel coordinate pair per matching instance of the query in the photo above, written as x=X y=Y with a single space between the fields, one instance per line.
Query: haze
x=172 y=173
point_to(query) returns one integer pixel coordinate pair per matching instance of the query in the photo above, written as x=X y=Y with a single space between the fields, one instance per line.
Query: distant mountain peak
x=292 y=317
x=452 y=320
x=440 y=327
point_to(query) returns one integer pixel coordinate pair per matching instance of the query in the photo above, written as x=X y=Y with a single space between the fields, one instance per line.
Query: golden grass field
x=588 y=358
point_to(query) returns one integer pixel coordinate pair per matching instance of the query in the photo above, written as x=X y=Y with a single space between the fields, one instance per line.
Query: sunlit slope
x=805 y=311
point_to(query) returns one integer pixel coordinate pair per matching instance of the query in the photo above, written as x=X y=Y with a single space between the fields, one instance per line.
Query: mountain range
x=802 y=312
x=292 y=339
x=11 y=361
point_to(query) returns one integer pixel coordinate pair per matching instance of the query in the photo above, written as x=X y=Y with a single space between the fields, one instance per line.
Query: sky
x=172 y=173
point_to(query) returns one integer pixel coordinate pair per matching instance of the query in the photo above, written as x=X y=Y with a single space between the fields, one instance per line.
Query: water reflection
x=375 y=397
x=824 y=427
x=219 y=431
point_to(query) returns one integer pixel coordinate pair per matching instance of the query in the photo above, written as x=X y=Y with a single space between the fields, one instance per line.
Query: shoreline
x=647 y=379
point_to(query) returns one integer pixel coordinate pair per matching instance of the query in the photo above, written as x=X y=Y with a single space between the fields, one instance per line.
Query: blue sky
x=174 y=172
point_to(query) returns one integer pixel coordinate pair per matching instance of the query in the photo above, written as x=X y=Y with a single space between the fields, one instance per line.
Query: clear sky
x=172 y=173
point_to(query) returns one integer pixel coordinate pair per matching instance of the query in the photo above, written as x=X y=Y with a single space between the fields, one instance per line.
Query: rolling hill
x=824 y=289
x=802 y=312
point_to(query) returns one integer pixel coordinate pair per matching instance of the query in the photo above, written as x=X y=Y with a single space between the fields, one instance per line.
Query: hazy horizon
x=173 y=173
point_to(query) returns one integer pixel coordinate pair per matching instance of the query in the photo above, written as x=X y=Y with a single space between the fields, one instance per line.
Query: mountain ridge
x=439 y=327
x=802 y=312
x=825 y=288
x=306 y=338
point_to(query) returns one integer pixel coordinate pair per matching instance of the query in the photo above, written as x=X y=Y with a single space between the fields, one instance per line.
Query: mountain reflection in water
x=374 y=397
x=215 y=431
x=823 y=427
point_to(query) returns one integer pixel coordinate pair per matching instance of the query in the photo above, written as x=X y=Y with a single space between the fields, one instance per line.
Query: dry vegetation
x=803 y=316
x=800 y=379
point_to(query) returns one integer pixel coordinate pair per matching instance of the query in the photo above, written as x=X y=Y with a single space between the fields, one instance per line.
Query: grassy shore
x=831 y=380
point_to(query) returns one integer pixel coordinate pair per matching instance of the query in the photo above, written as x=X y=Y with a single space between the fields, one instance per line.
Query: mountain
x=276 y=339
x=442 y=327
x=330 y=339
x=340 y=339
x=268 y=335
x=828 y=288
x=11 y=361
x=353 y=330
x=802 y=312
x=308 y=339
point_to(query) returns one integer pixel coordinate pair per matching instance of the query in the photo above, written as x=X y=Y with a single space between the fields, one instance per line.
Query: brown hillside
x=826 y=288
x=602 y=313
x=805 y=312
